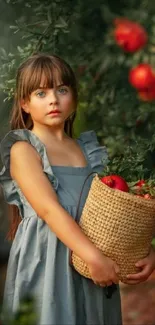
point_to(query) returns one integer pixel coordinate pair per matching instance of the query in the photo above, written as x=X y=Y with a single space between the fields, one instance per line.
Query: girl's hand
x=147 y=266
x=104 y=271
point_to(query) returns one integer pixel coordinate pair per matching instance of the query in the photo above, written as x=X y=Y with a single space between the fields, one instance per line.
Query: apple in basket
x=116 y=182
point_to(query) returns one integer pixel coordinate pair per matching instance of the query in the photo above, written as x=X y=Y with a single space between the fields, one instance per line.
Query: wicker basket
x=120 y=224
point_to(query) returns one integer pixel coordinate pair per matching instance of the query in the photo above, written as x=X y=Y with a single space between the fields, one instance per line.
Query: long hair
x=40 y=66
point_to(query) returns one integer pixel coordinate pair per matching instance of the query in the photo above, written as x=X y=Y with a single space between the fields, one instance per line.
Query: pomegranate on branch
x=129 y=35
x=142 y=77
x=147 y=95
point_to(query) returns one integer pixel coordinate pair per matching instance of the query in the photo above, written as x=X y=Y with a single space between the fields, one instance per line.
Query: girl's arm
x=26 y=170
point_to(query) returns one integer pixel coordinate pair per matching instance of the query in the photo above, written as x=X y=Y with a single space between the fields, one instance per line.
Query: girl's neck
x=48 y=135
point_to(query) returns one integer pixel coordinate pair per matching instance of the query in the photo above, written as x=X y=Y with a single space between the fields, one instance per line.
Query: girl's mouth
x=54 y=112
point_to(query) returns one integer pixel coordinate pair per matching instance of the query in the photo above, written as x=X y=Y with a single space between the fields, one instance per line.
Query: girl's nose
x=53 y=97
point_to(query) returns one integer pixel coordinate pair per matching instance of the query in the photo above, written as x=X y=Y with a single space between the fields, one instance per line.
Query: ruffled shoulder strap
x=97 y=155
x=8 y=185
x=28 y=136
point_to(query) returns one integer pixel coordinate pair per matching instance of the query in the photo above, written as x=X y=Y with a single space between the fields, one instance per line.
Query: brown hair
x=28 y=79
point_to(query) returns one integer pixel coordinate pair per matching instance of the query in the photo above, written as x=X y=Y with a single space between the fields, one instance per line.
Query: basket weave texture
x=120 y=224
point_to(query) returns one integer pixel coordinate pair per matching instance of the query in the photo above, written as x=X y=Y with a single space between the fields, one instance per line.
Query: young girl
x=44 y=170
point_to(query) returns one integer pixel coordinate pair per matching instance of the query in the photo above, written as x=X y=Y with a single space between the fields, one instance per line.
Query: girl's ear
x=24 y=106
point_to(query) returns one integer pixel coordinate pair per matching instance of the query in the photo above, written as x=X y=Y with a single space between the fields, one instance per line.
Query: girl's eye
x=41 y=94
x=62 y=90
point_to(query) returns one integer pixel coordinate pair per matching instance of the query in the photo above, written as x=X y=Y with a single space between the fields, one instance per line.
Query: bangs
x=46 y=72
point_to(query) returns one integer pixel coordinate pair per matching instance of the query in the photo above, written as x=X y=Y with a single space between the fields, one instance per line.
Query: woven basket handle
x=108 y=289
x=77 y=211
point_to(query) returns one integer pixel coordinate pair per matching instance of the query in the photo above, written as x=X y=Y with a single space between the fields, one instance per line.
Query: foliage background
x=82 y=33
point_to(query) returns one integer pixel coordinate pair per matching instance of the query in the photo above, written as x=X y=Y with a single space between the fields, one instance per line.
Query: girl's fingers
x=109 y=283
x=100 y=284
x=95 y=282
x=116 y=268
x=136 y=277
x=115 y=280
x=141 y=276
x=132 y=282
x=103 y=284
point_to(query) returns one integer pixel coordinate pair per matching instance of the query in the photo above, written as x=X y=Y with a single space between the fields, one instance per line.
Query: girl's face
x=50 y=106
